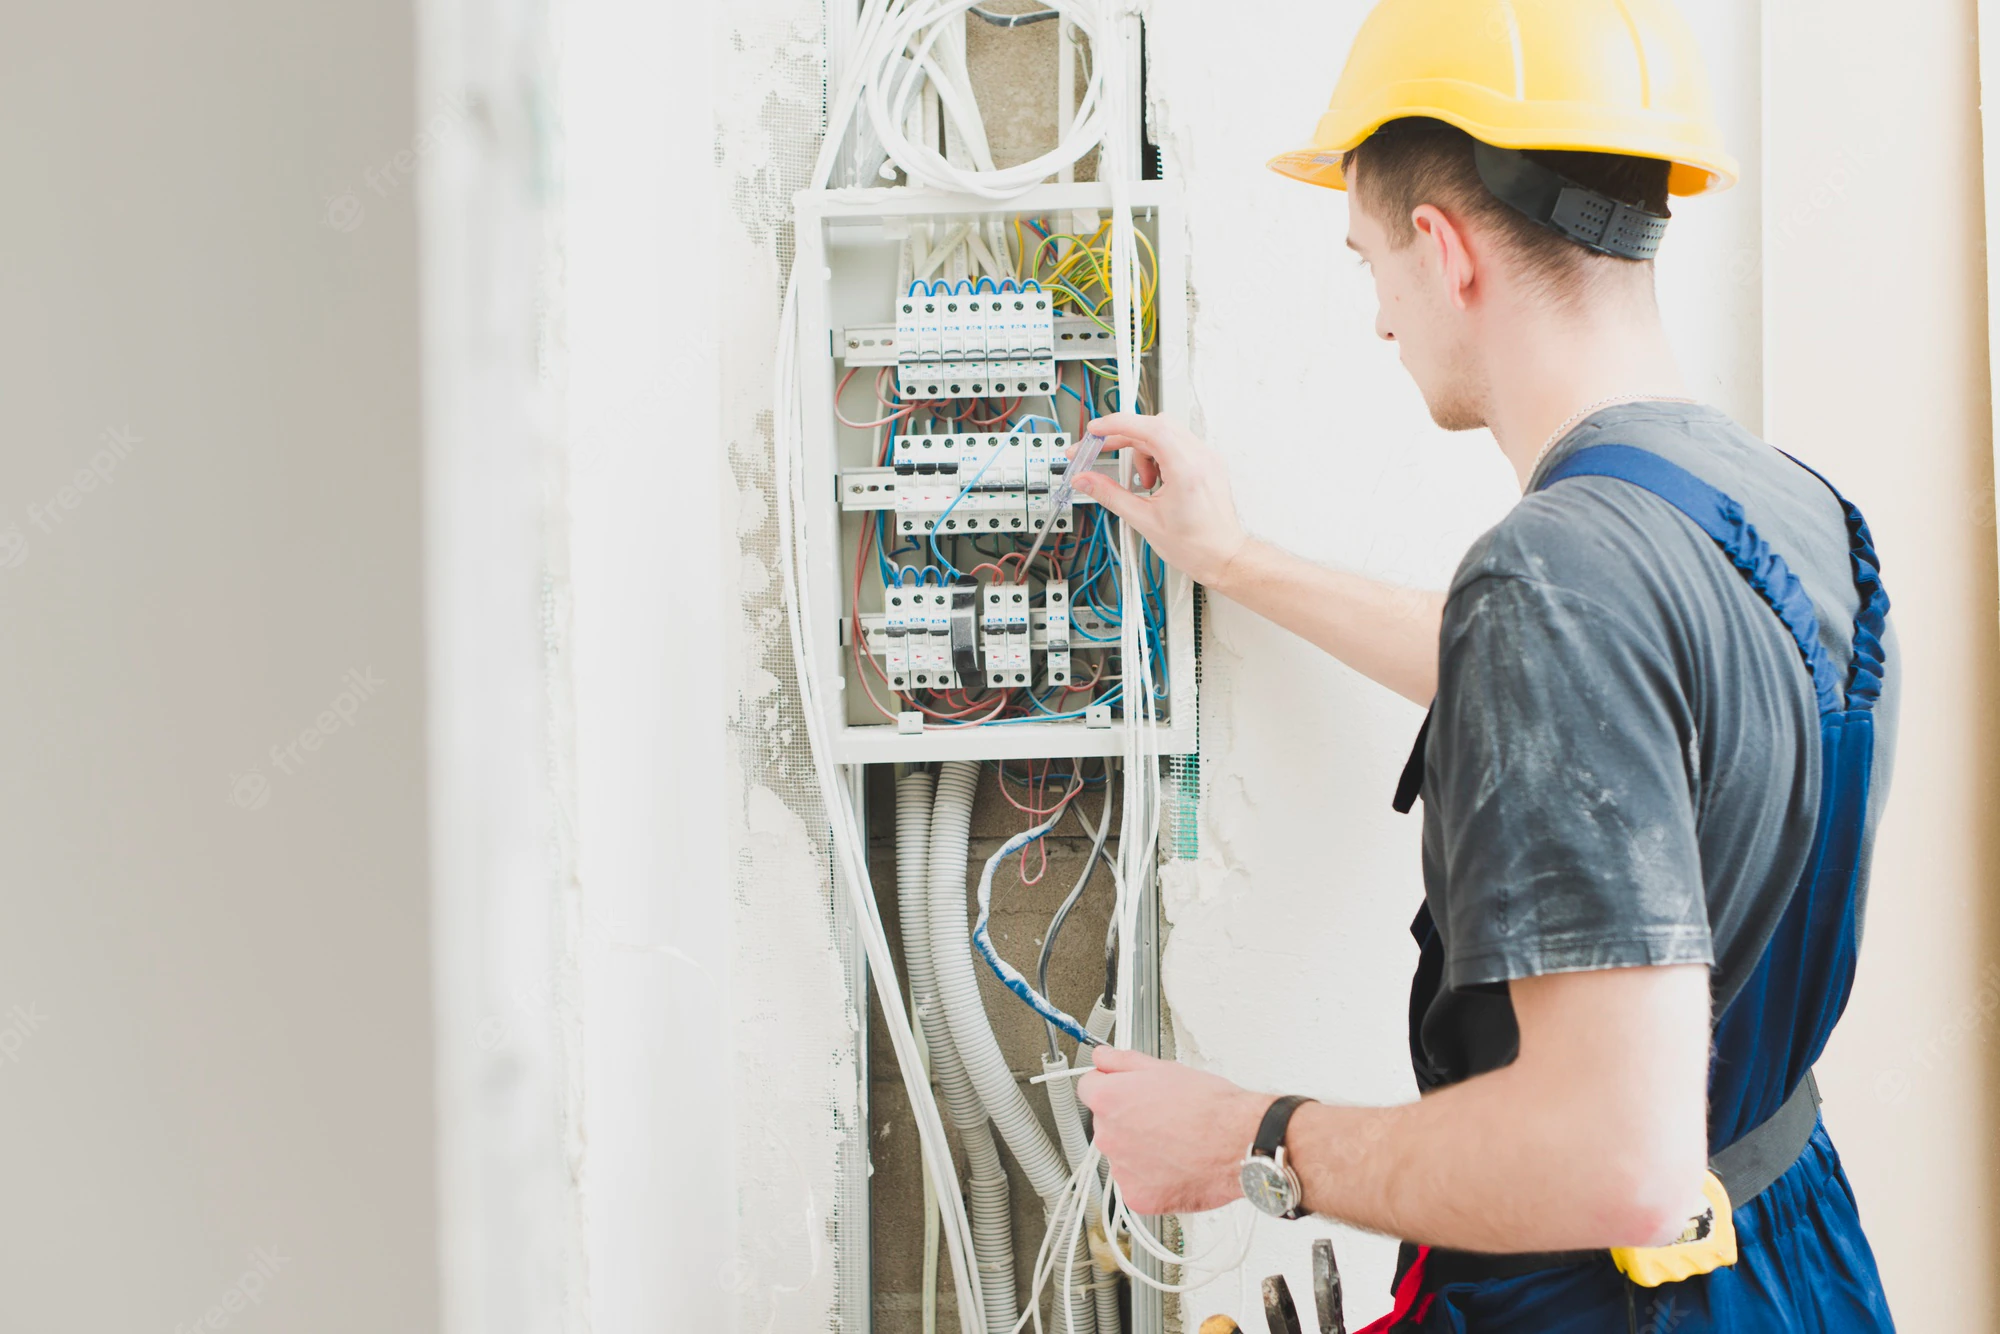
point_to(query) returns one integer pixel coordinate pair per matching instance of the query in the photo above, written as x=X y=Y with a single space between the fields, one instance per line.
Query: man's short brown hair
x=1417 y=160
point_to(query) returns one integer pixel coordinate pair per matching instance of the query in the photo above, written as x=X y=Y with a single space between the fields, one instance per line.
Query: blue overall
x=1803 y=1263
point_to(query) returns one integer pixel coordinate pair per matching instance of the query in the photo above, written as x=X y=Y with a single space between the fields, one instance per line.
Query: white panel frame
x=871 y=744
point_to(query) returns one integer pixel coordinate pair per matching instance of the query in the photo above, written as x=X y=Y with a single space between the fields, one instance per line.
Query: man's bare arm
x=1595 y=1136
x=1385 y=632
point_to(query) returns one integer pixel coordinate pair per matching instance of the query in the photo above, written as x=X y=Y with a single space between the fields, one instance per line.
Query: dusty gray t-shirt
x=1624 y=765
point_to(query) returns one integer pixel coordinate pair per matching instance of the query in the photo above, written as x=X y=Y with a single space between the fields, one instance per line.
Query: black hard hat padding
x=1545 y=196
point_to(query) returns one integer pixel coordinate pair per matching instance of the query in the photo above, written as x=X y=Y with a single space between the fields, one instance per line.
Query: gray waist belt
x=1752 y=1163
x=1746 y=1169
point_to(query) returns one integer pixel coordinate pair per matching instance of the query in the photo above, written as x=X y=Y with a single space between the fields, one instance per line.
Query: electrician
x=1659 y=712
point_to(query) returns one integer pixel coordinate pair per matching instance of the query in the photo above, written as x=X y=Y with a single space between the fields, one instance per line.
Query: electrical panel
x=951 y=354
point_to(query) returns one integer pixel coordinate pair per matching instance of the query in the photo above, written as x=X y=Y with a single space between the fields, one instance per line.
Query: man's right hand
x=1187 y=514
x=1183 y=508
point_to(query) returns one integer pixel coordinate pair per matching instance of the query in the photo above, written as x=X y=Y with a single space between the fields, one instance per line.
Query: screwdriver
x=1060 y=493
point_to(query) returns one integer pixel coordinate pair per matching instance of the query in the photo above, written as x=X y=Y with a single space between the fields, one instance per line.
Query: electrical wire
x=982 y=940
x=1015 y=20
x=1097 y=838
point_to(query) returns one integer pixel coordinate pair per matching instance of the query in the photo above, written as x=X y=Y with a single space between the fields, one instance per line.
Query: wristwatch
x=1268 y=1180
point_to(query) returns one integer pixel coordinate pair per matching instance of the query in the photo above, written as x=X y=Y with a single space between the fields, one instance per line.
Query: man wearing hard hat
x=1662 y=703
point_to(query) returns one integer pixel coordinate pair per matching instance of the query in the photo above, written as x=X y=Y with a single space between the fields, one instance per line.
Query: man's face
x=1414 y=311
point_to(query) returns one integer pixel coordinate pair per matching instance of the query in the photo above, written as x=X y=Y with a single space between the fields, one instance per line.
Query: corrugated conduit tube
x=958 y=988
x=987 y=1200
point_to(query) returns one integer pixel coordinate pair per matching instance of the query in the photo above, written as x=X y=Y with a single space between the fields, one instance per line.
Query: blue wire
x=1108 y=697
x=962 y=493
x=983 y=942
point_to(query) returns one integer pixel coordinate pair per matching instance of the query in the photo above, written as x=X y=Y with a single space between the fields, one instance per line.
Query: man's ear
x=1448 y=250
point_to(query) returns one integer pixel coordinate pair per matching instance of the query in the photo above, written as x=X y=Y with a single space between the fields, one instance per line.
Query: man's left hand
x=1174 y=1136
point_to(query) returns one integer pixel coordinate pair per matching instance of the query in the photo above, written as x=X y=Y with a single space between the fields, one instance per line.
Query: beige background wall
x=1876 y=369
x=223 y=1099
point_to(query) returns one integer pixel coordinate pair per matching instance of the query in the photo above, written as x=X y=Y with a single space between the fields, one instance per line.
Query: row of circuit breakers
x=975 y=341
x=944 y=637
x=927 y=635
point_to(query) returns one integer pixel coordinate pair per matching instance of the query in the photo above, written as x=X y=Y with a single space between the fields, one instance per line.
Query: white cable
x=914 y=28
x=1077 y=1304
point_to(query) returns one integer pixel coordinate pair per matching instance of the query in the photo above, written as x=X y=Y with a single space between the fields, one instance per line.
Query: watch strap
x=1271 y=1130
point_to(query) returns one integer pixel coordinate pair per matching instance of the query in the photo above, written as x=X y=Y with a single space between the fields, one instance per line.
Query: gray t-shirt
x=1624 y=757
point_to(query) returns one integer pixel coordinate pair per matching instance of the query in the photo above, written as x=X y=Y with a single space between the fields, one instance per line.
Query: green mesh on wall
x=1180 y=832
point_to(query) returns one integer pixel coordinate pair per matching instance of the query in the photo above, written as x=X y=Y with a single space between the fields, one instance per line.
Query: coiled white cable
x=893 y=84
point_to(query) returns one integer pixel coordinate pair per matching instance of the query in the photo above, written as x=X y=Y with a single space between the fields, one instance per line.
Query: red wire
x=863 y=426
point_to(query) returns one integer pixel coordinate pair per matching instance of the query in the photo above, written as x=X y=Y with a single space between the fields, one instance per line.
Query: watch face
x=1268 y=1186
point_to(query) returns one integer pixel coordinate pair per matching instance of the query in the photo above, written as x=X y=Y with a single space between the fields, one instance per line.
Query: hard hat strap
x=1543 y=195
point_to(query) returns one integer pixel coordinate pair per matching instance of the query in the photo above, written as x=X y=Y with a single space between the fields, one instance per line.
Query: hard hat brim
x=1698 y=167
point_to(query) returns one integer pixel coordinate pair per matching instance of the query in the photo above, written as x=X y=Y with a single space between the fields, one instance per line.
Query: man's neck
x=1548 y=372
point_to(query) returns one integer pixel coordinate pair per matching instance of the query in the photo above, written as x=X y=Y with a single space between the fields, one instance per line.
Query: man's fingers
x=1145 y=471
x=1117 y=1060
x=1106 y=492
x=1154 y=435
x=1109 y=1061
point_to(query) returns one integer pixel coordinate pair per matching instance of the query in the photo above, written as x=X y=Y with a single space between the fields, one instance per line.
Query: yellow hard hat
x=1606 y=76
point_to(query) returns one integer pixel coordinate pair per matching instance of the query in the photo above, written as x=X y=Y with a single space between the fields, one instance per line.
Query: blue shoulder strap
x=1722 y=519
x=1864 y=679
x=1774 y=1026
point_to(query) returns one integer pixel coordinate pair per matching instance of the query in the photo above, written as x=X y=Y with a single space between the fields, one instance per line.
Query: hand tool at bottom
x=1326 y=1289
x=1278 y=1308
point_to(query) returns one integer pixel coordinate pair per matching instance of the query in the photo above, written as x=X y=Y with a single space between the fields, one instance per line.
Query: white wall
x=648 y=518
x=223 y=1100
